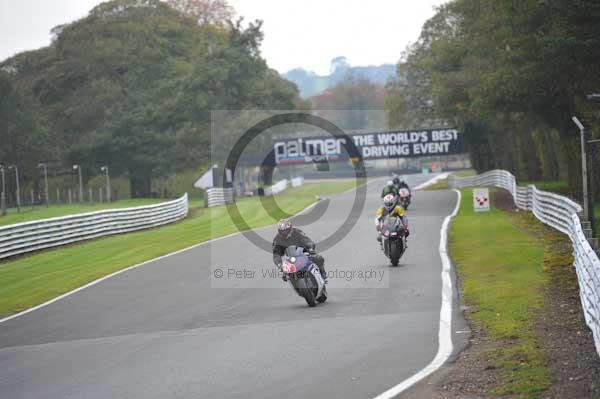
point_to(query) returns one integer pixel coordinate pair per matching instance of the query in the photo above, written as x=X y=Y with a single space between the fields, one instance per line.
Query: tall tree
x=212 y=12
x=132 y=86
x=511 y=73
x=22 y=133
x=355 y=96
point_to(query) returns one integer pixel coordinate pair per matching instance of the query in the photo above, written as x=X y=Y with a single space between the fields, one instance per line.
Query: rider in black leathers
x=389 y=188
x=400 y=184
x=288 y=235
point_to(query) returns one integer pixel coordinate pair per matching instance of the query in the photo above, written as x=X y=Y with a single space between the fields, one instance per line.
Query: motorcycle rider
x=400 y=183
x=390 y=207
x=288 y=235
x=389 y=188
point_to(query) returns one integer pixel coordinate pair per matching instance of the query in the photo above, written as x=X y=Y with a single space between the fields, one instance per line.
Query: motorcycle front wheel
x=396 y=251
x=306 y=290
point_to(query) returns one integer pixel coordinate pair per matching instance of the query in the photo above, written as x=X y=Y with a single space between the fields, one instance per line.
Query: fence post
x=70 y=197
x=591 y=200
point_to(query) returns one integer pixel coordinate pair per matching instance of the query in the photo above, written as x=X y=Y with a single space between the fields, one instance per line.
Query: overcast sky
x=298 y=33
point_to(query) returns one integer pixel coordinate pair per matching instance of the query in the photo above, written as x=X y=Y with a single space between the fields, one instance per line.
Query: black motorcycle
x=393 y=238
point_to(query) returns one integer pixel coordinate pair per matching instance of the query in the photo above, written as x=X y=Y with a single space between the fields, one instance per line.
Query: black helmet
x=396 y=180
x=284 y=226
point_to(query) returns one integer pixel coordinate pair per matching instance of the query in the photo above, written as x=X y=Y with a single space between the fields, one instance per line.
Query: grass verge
x=500 y=264
x=34 y=279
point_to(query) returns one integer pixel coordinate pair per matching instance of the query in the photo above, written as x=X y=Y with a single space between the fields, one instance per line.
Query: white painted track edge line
x=445 y=346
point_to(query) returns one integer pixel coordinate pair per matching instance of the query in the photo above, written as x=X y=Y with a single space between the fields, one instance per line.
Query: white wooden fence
x=26 y=237
x=219 y=196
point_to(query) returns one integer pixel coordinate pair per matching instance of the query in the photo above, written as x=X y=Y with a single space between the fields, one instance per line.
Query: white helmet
x=389 y=202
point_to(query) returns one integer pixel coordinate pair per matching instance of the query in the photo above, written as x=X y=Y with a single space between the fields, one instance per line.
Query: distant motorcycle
x=393 y=238
x=304 y=275
x=404 y=197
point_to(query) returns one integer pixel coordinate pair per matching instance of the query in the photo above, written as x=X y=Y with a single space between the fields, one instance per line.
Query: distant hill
x=311 y=84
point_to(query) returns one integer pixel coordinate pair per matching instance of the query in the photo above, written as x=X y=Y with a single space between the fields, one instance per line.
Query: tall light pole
x=46 y=196
x=3 y=195
x=587 y=164
x=105 y=170
x=78 y=169
x=588 y=203
x=16 y=168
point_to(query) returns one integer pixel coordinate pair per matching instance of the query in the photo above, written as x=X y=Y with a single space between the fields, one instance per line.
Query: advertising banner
x=372 y=145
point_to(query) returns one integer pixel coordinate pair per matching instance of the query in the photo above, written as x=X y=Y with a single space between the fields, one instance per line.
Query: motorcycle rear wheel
x=323 y=296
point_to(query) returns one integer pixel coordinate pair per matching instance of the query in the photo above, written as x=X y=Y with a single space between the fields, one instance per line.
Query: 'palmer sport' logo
x=308 y=150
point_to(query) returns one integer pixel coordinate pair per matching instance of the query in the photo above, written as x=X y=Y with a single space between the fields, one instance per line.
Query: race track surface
x=164 y=331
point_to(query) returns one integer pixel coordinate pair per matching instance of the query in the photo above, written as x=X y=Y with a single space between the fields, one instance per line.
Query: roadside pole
x=105 y=170
x=46 y=195
x=3 y=195
x=78 y=169
x=18 y=192
x=586 y=167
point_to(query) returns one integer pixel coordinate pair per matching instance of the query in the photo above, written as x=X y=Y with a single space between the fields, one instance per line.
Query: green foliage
x=510 y=75
x=132 y=85
x=23 y=134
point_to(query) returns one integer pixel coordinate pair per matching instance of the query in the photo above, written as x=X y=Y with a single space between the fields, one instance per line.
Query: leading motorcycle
x=393 y=238
x=304 y=275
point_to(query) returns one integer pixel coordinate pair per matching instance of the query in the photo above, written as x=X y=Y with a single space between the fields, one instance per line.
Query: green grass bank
x=501 y=265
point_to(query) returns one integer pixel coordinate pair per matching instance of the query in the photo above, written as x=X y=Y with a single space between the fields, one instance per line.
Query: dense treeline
x=131 y=86
x=510 y=74
x=357 y=98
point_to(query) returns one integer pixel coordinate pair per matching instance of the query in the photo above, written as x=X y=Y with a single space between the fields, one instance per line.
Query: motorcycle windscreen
x=292 y=250
x=392 y=223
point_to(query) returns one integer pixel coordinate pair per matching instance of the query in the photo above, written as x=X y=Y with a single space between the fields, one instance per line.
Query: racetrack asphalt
x=171 y=329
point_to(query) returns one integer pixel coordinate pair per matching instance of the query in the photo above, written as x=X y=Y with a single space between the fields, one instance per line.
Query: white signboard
x=481 y=199
x=206 y=181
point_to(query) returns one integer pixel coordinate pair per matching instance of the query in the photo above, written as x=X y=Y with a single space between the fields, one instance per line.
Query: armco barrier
x=560 y=213
x=297 y=181
x=25 y=237
x=277 y=188
x=219 y=196
x=223 y=196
